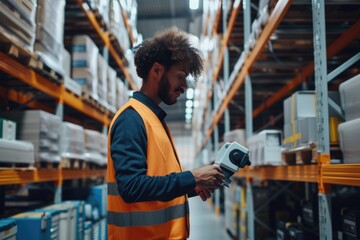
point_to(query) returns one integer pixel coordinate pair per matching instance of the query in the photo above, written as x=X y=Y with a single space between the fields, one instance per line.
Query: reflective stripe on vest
x=148 y=218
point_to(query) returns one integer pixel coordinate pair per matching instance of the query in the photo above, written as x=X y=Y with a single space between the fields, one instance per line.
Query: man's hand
x=209 y=176
x=204 y=193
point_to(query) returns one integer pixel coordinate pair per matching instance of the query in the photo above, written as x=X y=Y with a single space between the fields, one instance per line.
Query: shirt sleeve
x=128 y=151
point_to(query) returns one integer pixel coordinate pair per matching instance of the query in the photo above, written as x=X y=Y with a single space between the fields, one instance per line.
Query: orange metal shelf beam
x=299 y=173
x=35 y=80
x=339 y=44
x=344 y=174
x=128 y=26
x=27 y=175
x=105 y=38
x=230 y=28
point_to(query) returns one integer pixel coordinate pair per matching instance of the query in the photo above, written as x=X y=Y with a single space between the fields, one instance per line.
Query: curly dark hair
x=168 y=47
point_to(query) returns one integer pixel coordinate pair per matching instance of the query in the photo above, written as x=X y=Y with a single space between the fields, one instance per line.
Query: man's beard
x=164 y=88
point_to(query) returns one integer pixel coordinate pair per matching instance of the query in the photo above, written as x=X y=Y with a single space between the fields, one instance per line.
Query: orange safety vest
x=152 y=219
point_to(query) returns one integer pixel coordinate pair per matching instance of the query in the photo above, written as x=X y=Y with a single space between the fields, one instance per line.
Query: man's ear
x=157 y=70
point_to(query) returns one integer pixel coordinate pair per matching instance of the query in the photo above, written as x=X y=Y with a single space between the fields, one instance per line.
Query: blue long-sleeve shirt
x=128 y=151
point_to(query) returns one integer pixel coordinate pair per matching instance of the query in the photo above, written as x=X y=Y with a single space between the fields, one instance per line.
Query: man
x=147 y=189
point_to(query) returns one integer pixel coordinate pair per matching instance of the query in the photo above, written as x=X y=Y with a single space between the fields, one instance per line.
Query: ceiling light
x=188 y=110
x=189 y=104
x=190 y=93
x=188 y=116
x=194 y=4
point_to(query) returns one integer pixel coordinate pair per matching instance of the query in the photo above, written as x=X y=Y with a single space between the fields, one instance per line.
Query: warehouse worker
x=147 y=189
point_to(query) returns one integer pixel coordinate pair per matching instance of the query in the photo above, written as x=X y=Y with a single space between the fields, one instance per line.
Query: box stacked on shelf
x=72 y=141
x=8 y=229
x=102 y=80
x=93 y=147
x=121 y=93
x=117 y=26
x=103 y=146
x=111 y=89
x=300 y=119
x=12 y=150
x=265 y=148
x=129 y=55
x=40 y=128
x=35 y=225
x=349 y=131
x=50 y=16
x=17 y=18
x=69 y=83
x=68 y=220
x=84 y=65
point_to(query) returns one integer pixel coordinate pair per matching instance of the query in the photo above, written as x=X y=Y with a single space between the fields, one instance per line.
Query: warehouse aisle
x=204 y=224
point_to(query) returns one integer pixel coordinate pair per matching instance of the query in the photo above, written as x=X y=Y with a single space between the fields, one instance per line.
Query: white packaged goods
x=88 y=230
x=93 y=147
x=121 y=95
x=103 y=7
x=236 y=135
x=50 y=32
x=84 y=64
x=7 y=129
x=40 y=128
x=15 y=151
x=17 y=18
x=265 y=147
x=300 y=105
x=117 y=25
x=72 y=141
x=111 y=84
x=103 y=147
x=349 y=135
x=350 y=98
x=69 y=83
x=8 y=229
x=68 y=220
x=301 y=132
x=102 y=80
x=129 y=55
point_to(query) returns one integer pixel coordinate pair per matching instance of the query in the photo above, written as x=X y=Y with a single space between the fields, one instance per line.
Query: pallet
x=47 y=165
x=88 y=98
x=11 y=165
x=73 y=163
x=43 y=69
x=302 y=155
x=11 y=46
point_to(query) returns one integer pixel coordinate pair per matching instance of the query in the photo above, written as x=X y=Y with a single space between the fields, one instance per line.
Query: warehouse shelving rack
x=323 y=173
x=30 y=79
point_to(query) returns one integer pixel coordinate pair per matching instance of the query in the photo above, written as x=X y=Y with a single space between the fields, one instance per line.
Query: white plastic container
x=350 y=98
x=349 y=136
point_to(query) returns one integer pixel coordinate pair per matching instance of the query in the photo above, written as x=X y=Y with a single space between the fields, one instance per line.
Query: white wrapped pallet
x=111 y=88
x=236 y=135
x=50 y=17
x=266 y=147
x=69 y=83
x=84 y=64
x=350 y=98
x=103 y=147
x=93 y=147
x=40 y=128
x=129 y=55
x=72 y=141
x=349 y=135
x=102 y=80
x=121 y=95
x=117 y=25
x=17 y=18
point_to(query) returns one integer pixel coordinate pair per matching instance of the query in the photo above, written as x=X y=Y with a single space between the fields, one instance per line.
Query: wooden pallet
x=11 y=46
x=47 y=165
x=12 y=165
x=43 y=69
x=73 y=163
x=87 y=97
x=300 y=155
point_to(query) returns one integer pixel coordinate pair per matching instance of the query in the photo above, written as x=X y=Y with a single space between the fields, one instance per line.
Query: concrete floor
x=204 y=224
